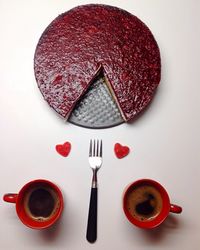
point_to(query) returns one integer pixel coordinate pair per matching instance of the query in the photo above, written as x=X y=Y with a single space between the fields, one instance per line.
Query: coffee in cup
x=146 y=203
x=39 y=204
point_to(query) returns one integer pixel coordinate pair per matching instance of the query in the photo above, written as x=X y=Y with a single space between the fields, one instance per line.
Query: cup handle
x=175 y=209
x=12 y=198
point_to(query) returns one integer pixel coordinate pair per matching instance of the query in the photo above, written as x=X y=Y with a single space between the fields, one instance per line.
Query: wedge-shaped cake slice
x=90 y=39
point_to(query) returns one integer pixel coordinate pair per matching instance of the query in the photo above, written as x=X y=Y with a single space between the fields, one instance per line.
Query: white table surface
x=164 y=141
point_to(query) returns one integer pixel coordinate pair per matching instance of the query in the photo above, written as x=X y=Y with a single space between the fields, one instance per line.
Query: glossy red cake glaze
x=87 y=39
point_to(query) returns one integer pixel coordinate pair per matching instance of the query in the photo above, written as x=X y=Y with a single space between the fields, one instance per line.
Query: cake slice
x=88 y=39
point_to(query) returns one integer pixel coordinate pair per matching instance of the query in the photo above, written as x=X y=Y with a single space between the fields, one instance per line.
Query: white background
x=164 y=141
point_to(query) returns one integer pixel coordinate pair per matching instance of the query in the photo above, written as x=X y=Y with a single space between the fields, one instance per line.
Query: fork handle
x=92 y=217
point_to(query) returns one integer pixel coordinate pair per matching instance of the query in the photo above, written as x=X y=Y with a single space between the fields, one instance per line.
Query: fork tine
x=101 y=148
x=97 y=151
x=94 y=147
x=90 y=149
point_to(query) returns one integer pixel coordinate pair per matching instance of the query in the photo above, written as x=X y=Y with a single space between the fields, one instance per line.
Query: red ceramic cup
x=167 y=207
x=19 y=200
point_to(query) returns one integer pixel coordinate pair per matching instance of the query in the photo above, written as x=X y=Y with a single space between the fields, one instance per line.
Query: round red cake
x=87 y=40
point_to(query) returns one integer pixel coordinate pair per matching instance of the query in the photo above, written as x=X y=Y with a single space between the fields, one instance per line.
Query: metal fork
x=95 y=161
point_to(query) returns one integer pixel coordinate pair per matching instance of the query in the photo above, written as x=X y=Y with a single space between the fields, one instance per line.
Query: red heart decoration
x=121 y=151
x=64 y=149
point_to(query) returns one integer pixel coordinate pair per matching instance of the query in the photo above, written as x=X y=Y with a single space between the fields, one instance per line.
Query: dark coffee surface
x=147 y=206
x=41 y=203
x=144 y=202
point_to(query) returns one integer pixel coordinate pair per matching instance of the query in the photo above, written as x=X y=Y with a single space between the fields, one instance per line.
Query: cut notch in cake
x=97 y=108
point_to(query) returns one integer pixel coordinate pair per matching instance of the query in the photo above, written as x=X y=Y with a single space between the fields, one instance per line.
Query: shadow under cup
x=163 y=211
x=42 y=197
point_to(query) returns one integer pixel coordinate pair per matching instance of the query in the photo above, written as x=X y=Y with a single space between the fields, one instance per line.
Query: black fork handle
x=92 y=217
